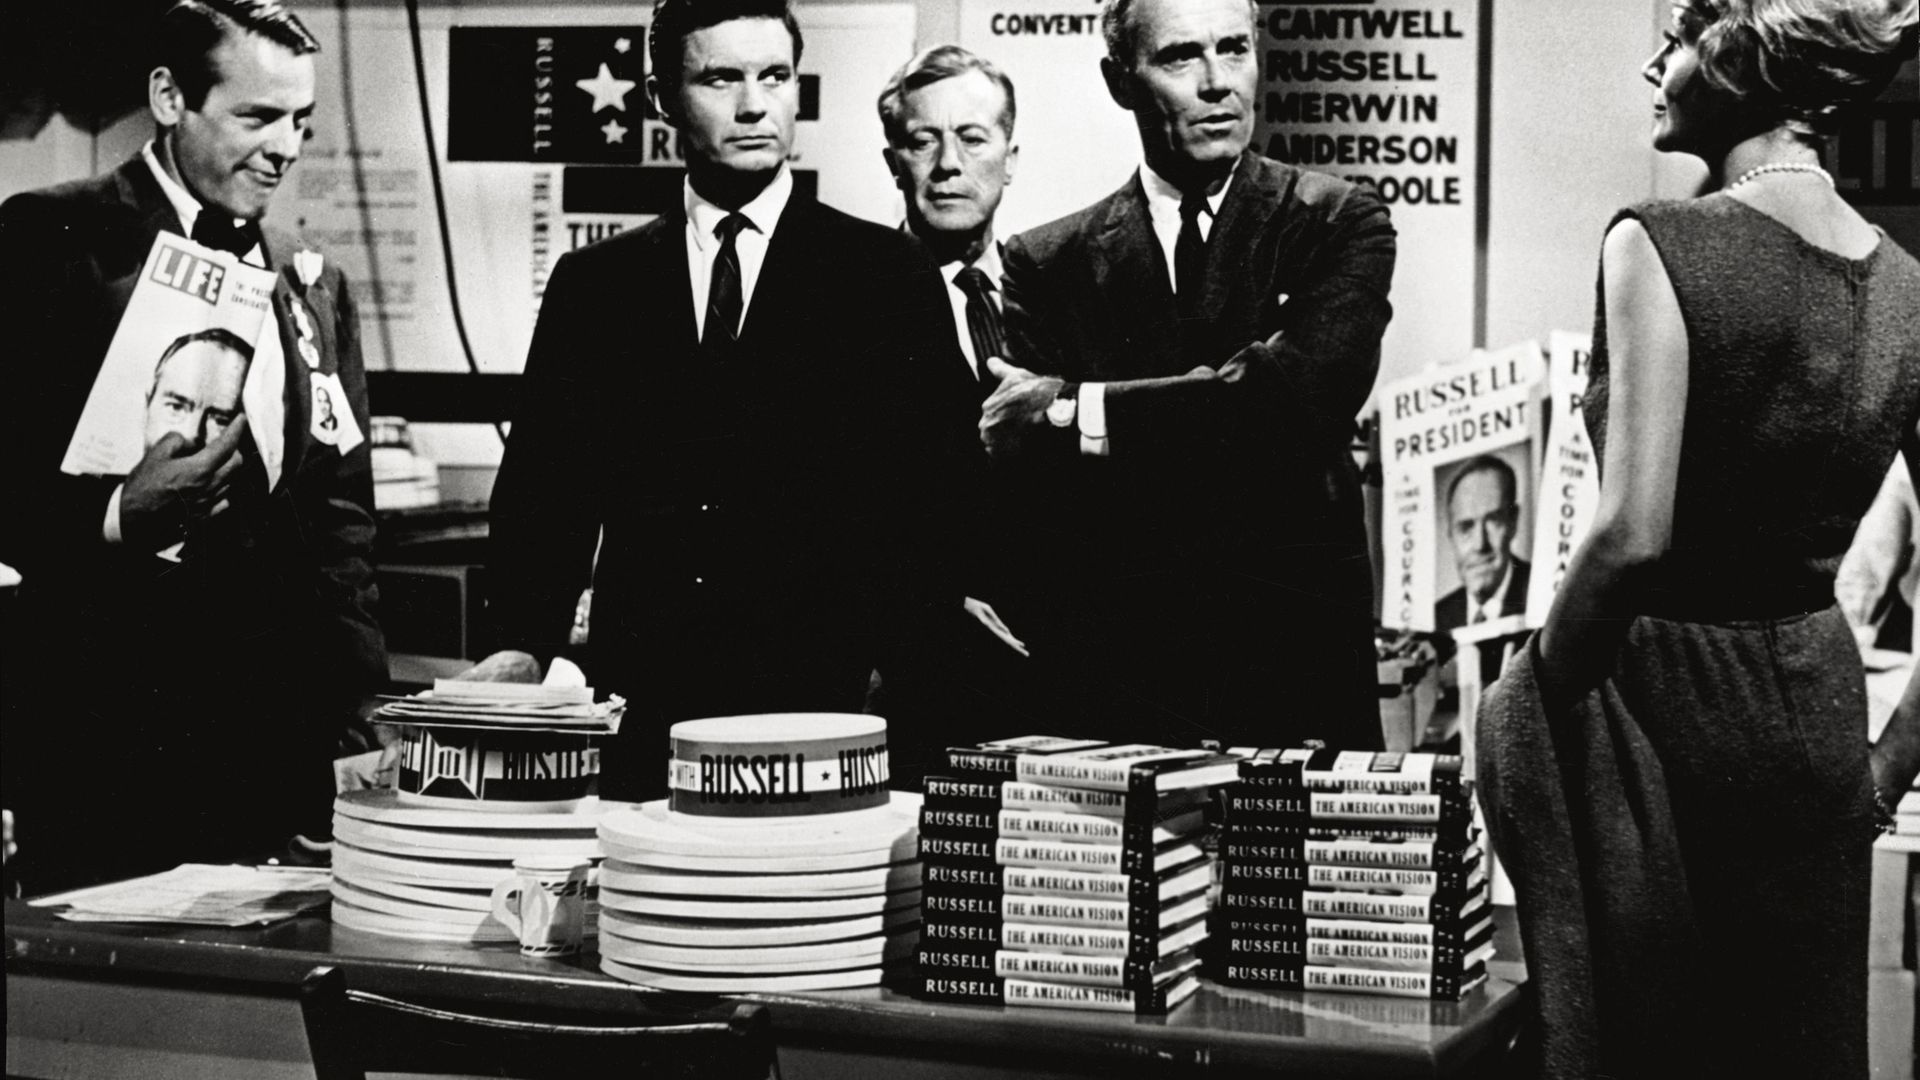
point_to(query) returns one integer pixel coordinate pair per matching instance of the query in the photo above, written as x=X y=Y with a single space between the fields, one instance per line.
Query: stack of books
x=1066 y=873
x=1352 y=871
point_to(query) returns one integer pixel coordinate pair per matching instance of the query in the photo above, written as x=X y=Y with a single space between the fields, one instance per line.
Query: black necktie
x=217 y=231
x=983 y=322
x=723 y=292
x=1190 y=256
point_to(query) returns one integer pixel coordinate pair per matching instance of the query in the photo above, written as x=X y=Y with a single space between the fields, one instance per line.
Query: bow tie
x=215 y=230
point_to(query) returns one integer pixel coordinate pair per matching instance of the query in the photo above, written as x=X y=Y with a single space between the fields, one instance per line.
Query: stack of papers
x=516 y=706
x=201 y=895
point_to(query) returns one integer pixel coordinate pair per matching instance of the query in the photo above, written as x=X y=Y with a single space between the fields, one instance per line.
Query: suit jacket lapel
x=297 y=395
x=788 y=252
x=1230 y=245
x=141 y=193
x=666 y=254
x=1131 y=274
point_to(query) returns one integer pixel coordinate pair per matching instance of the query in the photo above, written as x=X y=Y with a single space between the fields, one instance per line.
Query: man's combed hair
x=192 y=29
x=1117 y=29
x=934 y=65
x=1806 y=59
x=1487 y=463
x=226 y=339
x=673 y=20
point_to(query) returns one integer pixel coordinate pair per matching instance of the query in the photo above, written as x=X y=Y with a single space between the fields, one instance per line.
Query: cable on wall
x=440 y=197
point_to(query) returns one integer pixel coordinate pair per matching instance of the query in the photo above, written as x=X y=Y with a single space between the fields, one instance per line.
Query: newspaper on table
x=1459 y=452
x=182 y=349
x=200 y=894
x=1569 y=472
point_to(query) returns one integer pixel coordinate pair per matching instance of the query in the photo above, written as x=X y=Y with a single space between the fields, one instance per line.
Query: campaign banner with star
x=560 y=94
x=572 y=94
x=366 y=193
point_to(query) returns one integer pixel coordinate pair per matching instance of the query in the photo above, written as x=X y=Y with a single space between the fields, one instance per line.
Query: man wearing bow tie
x=173 y=700
x=1188 y=356
x=731 y=424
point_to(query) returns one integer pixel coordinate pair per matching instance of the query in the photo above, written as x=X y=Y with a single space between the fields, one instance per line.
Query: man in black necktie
x=1189 y=354
x=202 y=634
x=738 y=405
x=948 y=117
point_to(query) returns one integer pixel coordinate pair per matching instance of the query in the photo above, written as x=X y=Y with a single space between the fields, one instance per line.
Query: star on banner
x=614 y=132
x=622 y=45
x=608 y=92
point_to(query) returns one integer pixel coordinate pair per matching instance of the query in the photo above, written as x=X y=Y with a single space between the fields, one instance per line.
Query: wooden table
x=154 y=1002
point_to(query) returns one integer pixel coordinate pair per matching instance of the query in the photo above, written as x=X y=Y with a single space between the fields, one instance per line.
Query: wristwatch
x=1066 y=406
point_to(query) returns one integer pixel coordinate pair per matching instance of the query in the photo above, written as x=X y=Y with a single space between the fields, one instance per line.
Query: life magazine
x=178 y=359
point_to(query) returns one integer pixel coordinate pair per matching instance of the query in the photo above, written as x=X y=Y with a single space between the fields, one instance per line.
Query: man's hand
x=507 y=665
x=984 y=614
x=376 y=768
x=174 y=484
x=1013 y=419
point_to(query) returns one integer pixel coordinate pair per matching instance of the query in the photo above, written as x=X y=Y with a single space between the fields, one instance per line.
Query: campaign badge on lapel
x=303 y=333
x=302 y=323
x=331 y=420
x=307 y=264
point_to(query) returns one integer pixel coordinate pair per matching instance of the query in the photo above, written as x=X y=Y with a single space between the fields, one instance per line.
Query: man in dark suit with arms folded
x=166 y=707
x=738 y=404
x=1192 y=351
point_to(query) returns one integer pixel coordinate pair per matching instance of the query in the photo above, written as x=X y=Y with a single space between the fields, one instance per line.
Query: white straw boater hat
x=488 y=773
x=489 y=769
x=499 y=746
x=772 y=822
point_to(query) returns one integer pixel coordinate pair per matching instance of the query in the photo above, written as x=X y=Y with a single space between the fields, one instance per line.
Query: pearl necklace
x=1781 y=167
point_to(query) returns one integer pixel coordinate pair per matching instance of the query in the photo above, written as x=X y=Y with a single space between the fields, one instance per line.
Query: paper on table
x=199 y=894
x=461 y=690
x=435 y=709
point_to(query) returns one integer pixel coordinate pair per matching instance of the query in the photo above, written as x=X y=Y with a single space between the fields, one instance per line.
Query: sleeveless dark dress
x=1804 y=371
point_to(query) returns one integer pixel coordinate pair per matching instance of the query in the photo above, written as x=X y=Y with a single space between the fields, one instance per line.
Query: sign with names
x=1387 y=93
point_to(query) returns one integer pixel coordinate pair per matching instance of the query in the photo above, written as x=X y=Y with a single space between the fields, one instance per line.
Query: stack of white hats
x=488 y=773
x=779 y=861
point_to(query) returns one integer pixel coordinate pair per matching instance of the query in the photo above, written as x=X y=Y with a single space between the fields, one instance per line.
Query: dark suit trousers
x=1182 y=656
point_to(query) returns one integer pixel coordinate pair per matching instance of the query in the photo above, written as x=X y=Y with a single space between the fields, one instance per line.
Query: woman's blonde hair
x=1806 y=59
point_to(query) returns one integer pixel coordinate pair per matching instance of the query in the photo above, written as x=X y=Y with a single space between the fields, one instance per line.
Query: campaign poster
x=1459 y=445
x=1569 y=472
x=1390 y=94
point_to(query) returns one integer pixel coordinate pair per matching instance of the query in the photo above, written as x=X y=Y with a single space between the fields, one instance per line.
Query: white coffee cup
x=544 y=903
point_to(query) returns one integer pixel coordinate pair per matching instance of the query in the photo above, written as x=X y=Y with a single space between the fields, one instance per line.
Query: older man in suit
x=948 y=116
x=167 y=706
x=738 y=405
x=1191 y=352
